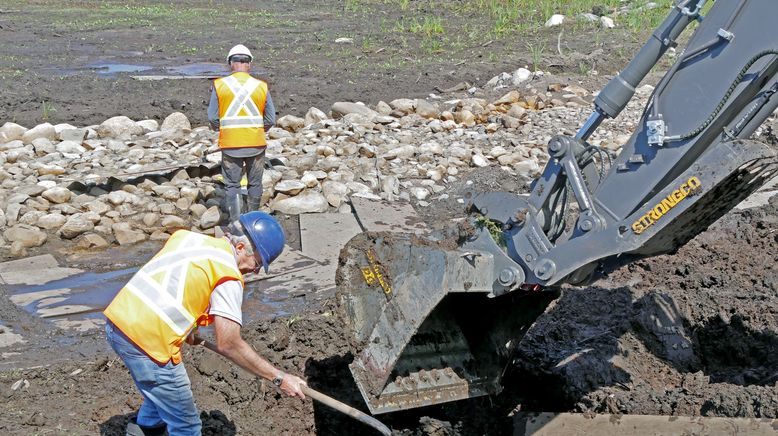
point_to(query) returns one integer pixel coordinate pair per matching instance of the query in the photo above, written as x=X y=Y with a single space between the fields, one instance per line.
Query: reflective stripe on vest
x=169 y=295
x=241 y=111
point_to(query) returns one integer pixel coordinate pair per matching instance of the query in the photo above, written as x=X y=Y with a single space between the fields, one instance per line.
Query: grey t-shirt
x=269 y=120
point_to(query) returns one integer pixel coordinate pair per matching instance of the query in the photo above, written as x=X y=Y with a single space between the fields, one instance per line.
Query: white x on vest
x=166 y=298
x=241 y=102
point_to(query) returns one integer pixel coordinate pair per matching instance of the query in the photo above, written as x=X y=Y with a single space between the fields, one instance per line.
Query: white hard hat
x=239 y=49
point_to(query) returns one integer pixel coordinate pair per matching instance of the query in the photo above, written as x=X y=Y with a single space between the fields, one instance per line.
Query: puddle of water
x=110 y=68
x=200 y=69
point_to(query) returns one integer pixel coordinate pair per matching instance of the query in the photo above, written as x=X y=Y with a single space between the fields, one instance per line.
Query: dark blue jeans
x=167 y=393
x=232 y=172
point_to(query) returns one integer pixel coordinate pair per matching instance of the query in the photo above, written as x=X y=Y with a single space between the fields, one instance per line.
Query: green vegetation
x=46 y=110
x=494 y=230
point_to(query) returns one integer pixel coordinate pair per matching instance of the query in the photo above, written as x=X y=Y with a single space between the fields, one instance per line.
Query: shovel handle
x=325 y=399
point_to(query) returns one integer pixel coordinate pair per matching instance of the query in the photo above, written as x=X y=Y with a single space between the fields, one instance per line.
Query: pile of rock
x=75 y=184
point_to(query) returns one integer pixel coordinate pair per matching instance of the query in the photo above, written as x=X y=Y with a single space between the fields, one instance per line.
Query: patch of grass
x=46 y=110
x=536 y=52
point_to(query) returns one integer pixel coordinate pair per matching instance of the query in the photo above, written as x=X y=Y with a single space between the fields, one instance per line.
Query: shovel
x=325 y=399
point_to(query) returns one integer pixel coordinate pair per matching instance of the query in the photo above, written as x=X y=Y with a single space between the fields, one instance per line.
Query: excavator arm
x=438 y=320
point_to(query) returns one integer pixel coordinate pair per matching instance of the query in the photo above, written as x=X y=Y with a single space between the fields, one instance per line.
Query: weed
x=536 y=51
x=494 y=230
x=46 y=110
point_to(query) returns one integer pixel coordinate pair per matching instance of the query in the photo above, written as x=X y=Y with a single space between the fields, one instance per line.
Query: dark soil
x=693 y=333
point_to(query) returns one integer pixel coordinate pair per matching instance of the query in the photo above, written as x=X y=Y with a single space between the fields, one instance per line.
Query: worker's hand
x=293 y=386
x=194 y=339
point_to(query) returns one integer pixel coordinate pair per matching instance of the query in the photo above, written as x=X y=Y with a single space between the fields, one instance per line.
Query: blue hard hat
x=265 y=234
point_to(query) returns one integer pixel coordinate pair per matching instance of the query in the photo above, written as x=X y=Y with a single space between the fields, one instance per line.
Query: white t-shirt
x=226 y=301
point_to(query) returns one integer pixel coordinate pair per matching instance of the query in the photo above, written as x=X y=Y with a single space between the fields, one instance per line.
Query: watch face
x=277 y=381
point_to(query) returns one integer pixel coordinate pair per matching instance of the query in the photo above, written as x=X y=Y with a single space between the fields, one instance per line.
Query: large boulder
x=210 y=218
x=426 y=109
x=175 y=121
x=125 y=235
x=11 y=132
x=314 y=115
x=334 y=192
x=117 y=127
x=75 y=225
x=44 y=130
x=342 y=108
x=57 y=194
x=290 y=187
x=307 y=202
x=51 y=221
x=290 y=123
x=27 y=236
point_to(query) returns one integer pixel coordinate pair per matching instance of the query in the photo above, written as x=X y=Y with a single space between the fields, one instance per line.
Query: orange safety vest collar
x=170 y=295
x=241 y=111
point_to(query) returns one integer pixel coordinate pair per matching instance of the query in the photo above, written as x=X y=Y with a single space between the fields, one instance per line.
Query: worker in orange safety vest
x=241 y=109
x=194 y=280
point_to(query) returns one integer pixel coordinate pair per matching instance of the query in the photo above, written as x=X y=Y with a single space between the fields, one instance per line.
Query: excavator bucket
x=426 y=323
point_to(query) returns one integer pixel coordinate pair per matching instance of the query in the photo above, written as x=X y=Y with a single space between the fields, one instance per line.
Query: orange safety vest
x=241 y=110
x=170 y=295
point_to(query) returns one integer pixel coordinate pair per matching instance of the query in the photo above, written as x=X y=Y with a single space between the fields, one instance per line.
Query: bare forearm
x=244 y=356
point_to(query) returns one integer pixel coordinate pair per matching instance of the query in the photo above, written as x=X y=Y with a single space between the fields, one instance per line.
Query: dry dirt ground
x=595 y=348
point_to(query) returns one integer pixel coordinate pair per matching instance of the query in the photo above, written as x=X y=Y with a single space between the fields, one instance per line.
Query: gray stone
x=51 y=221
x=50 y=170
x=426 y=109
x=43 y=146
x=92 y=240
x=117 y=127
x=197 y=210
x=307 y=202
x=175 y=121
x=75 y=225
x=173 y=222
x=290 y=187
x=342 y=108
x=210 y=218
x=117 y=146
x=314 y=115
x=125 y=235
x=290 y=123
x=75 y=135
x=97 y=206
x=26 y=235
x=403 y=105
x=44 y=130
x=149 y=125
x=167 y=192
x=150 y=219
x=334 y=192
x=11 y=132
x=57 y=194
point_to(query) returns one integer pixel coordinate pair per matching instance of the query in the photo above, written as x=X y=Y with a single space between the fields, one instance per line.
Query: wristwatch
x=279 y=379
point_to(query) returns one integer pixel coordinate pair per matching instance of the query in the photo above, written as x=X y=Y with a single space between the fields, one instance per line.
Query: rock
x=117 y=146
x=555 y=20
x=120 y=126
x=150 y=219
x=210 y=218
x=44 y=130
x=383 y=108
x=3 y=219
x=57 y=195
x=11 y=132
x=479 y=161
x=509 y=98
x=174 y=121
x=91 y=240
x=644 y=90
x=70 y=147
x=290 y=187
x=125 y=235
x=588 y=16
x=344 y=41
x=342 y=108
x=197 y=210
x=517 y=111
x=75 y=135
x=465 y=117
x=404 y=152
x=167 y=192
x=51 y=221
x=607 y=23
x=521 y=75
x=27 y=236
x=75 y=225
x=334 y=192
x=43 y=146
x=173 y=222
x=314 y=116
x=420 y=193
x=18 y=249
x=311 y=178
x=148 y=125
x=290 y=123
x=53 y=170
x=426 y=109
x=307 y=202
